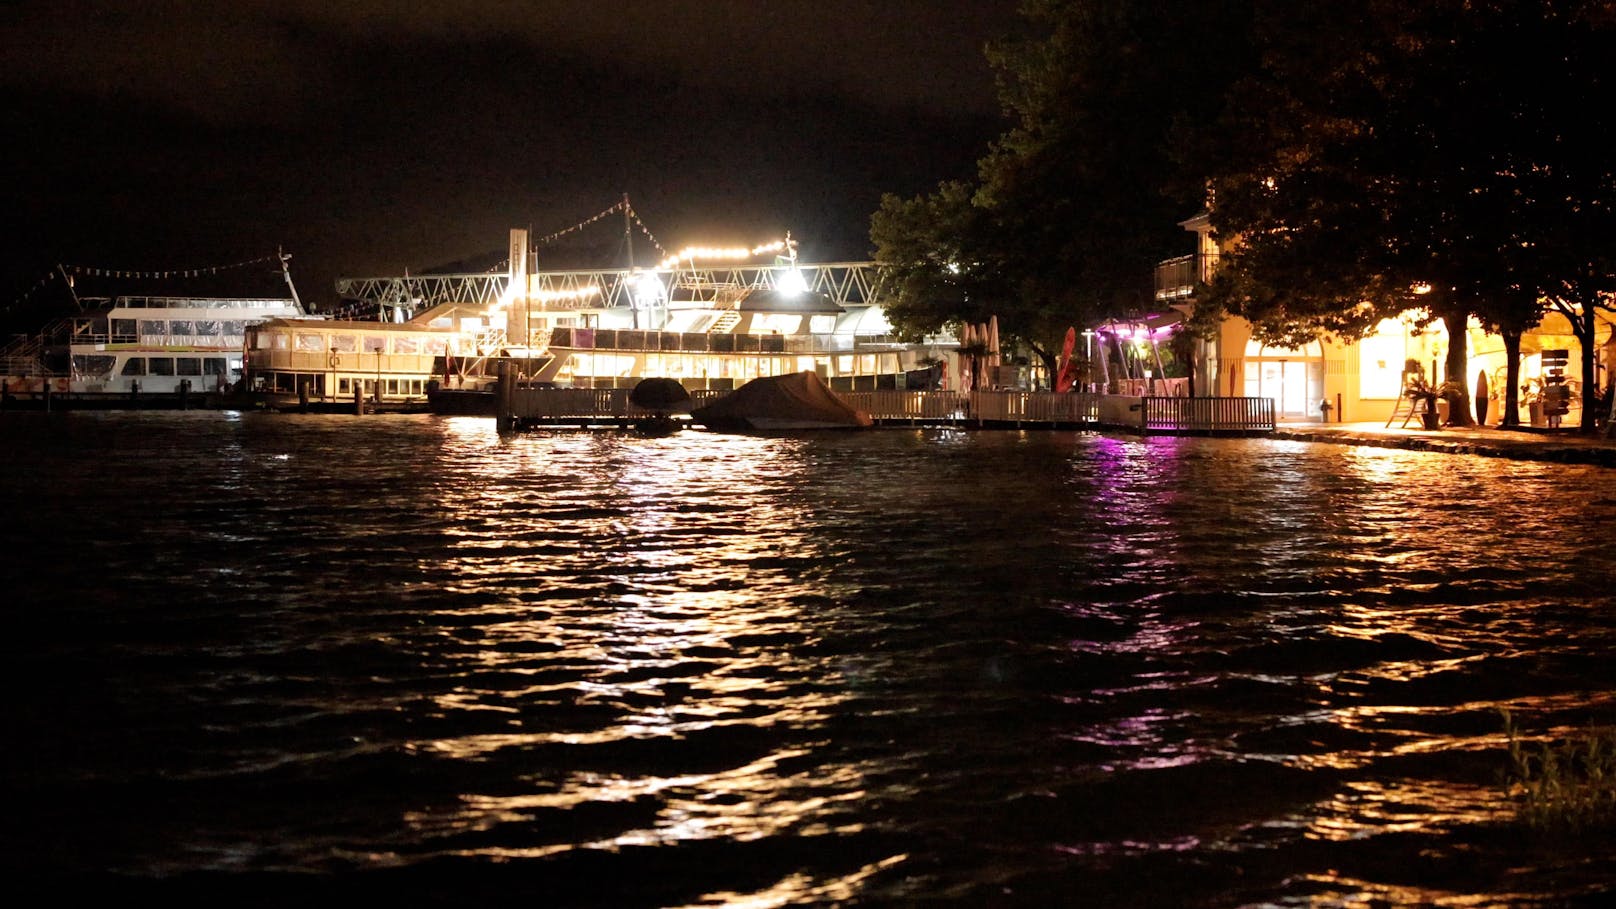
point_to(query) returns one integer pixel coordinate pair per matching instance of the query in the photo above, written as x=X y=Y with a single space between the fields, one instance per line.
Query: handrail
x=532 y=401
x=1175 y=414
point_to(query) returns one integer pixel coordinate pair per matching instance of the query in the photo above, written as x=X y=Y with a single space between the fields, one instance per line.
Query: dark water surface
x=262 y=657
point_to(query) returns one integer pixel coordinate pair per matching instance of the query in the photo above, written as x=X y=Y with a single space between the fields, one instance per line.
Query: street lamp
x=1088 y=359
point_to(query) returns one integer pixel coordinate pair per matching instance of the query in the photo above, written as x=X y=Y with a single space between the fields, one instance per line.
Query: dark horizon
x=159 y=139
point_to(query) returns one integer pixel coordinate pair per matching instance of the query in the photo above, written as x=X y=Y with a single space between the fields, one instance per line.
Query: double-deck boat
x=145 y=350
x=706 y=335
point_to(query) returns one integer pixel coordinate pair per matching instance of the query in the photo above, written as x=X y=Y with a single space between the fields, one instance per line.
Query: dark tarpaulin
x=795 y=401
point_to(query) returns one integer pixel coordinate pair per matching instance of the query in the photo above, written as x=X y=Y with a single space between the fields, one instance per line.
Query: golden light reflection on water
x=681 y=621
x=1366 y=808
x=798 y=889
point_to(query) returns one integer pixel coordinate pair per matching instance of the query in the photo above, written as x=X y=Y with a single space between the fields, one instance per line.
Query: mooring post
x=358 y=398
x=504 y=397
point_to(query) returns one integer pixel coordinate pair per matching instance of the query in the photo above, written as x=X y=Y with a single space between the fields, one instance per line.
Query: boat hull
x=460 y=402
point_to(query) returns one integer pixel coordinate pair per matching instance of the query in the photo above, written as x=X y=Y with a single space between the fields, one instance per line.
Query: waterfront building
x=1364 y=380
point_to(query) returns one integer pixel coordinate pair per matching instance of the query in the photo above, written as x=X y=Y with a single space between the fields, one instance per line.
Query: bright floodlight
x=648 y=290
x=792 y=282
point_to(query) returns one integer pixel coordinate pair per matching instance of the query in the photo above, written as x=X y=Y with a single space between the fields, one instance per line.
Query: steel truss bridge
x=846 y=283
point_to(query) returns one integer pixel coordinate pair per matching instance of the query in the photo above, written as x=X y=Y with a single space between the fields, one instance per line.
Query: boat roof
x=773 y=299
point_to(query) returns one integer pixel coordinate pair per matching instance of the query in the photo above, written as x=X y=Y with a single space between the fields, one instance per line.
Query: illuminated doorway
x=1293 y=378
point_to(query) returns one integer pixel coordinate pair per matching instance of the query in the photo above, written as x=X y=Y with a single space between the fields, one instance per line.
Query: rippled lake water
x=267 y=657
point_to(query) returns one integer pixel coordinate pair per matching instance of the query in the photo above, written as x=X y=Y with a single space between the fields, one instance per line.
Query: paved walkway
x=1564 y=446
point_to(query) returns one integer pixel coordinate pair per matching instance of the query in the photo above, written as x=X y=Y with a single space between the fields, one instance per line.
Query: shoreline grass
x=1562 y=787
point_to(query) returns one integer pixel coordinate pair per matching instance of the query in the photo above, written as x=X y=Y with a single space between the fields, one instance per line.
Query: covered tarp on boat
x=795 y=401
x=660 y=395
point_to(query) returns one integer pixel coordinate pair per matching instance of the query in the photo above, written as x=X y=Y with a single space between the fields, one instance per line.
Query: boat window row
x=103 y=365
x=683 y=341
x=321 y=385
x=349 y=342
x=159 y=328
x=200 y=303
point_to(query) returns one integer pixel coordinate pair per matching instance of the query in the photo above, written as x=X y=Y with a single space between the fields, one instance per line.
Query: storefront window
x=1380 y=362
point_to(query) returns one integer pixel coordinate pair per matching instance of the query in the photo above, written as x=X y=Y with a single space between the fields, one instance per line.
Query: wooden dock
x=520 y=405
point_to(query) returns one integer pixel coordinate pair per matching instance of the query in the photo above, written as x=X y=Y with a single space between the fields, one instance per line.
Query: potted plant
x=1425 y=397
x=1534 y=402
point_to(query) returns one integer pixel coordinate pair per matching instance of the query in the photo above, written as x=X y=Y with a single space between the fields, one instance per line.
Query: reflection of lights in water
x=800 y=888
x=660 y=600
x=1405 y=805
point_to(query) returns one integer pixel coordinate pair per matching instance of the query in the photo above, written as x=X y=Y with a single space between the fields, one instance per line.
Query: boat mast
x=628 y=231
x=628 y=243
x=68 y=280
x=286 y=272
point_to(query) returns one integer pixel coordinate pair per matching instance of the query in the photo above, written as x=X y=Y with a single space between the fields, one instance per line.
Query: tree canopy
x=1387 y=147
x=1357 y=157
x=1074 y=205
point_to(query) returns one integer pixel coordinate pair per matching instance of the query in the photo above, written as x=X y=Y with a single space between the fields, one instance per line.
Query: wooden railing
x=975 y=407
x=1206 y=415
x=531 y=403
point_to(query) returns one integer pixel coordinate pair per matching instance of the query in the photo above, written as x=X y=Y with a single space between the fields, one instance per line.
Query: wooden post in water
x=358 y=398
x=504 y=397
x=303 y=396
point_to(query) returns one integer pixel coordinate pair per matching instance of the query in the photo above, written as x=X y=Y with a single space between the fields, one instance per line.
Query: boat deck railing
x=651 y=340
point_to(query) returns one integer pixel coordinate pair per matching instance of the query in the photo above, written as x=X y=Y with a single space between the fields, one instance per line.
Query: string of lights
x=67 y=273
x=635 y=216
x=165 y=273
x=709 y=252
x=25 y=295
x=621 y=206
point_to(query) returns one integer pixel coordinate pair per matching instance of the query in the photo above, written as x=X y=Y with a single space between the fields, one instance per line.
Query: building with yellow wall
x=1362 y=380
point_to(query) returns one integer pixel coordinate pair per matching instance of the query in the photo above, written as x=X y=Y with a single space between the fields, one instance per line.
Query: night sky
x=373 y=138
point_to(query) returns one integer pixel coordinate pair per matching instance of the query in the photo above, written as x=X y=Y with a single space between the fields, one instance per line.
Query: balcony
x=1176 y=279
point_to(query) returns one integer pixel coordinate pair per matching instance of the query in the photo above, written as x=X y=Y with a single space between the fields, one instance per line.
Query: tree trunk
x=1585 y=328
x=1051 y=364
x=1457 y=367
x=1512 y=377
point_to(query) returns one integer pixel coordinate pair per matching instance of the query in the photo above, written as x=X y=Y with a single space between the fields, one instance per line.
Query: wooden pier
x=521 y=405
